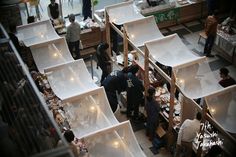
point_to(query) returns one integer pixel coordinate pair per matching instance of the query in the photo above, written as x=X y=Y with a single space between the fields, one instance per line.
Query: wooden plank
x=88 y=51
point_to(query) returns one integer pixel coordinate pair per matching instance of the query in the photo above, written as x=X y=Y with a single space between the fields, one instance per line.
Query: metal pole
x=91 y=61
x=37 y=12
x=26 y=7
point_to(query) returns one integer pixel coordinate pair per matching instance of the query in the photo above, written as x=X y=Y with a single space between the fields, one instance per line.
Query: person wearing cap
x=134 y=90
x=73 y=36
x=53 y=10
x=226 y=80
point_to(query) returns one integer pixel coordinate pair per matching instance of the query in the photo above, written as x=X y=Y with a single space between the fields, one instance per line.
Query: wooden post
x=171 y=111
x=146 y=70
x=125 y=43
x=202 y=129
x=108 y=30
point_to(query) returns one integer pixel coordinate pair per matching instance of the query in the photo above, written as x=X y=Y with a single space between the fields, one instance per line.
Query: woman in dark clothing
x=103 y=60
x=152 y=109
x=86 y=9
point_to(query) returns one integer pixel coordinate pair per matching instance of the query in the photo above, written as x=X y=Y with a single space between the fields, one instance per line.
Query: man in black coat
x=86 y=9
x=135 y=90
x=53 y=10
x=114 y=84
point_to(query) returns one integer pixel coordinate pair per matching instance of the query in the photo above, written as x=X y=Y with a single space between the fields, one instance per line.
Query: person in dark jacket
x=103 y=60
x=135 y=90
x=13 y=37
x=53 y=10
x=215 y=151
x=153 y=109
x=226 y=80
x=86 y=9
x=115 y=83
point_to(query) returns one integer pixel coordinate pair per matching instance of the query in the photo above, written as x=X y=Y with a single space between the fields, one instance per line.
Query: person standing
x=114 y=84
x=226 y=80
x=210 y=30
x=153 y=109
x=104 y=61
x=135 y=90
x=186 y=135
x=53 y=10
x=73 y=36
x=13 y=37
x=86 y=9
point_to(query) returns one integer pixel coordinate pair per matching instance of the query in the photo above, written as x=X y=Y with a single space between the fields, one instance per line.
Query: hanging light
x=92 y=109
x=114 y=20
x=72 y=79
x=116 y=144
x=41 y=35
x=213 y=110
x=55 y=54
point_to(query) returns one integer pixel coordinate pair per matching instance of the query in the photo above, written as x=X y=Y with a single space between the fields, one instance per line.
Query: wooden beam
x=146 y=70
x=171 y=111
x=108 y=35
x=202 y=129
x=125 y=46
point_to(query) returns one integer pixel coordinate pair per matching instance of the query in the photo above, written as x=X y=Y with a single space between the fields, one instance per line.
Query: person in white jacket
x=186 y=135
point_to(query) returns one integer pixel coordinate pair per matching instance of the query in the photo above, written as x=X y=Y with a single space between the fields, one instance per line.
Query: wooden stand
x=125 y=43
x=108 y=31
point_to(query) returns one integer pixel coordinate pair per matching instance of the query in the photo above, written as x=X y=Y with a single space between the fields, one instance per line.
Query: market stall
x=117 y=15
x=227 y=44
x=89 y=112
x=190 y=74
x=70 y=79
x=36 y=33
x=170 y=12
x=118 y=140
x=51 y=53
x=84 y=107
x=193 y=75
x=142 y=30
x=225 y=114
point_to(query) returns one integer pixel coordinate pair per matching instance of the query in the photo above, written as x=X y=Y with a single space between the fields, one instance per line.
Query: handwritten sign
x=167 y=15
x=209 y=139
